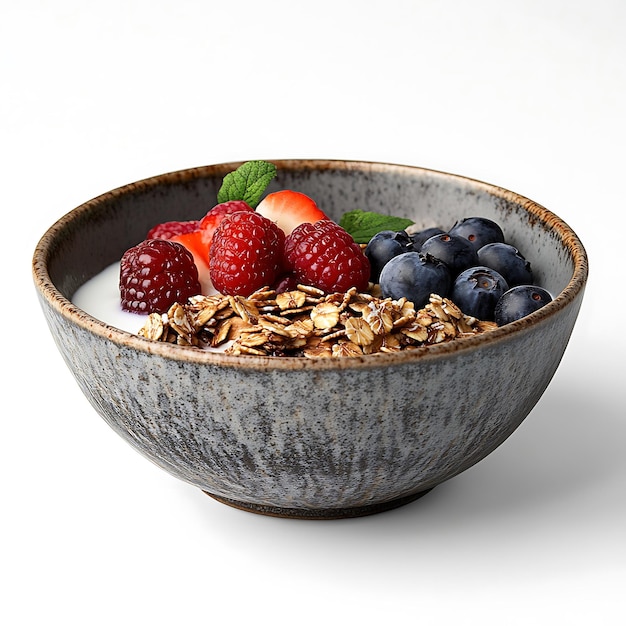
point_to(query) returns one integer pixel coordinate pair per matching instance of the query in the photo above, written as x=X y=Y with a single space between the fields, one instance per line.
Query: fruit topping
x=168 y=230
x=326 y=256
x=195 y=244
x=282 y=244
x=289 y=209
x=212 y=219
x=456 y=252
x=477 y=290
x=414 y=276
x=478 y=230
x=481 y=266
x=199 y=239
x=508 y=261
x=418 y=238
x=156 y=274
x=246 y=253
x=383 y=246
x=519 y=302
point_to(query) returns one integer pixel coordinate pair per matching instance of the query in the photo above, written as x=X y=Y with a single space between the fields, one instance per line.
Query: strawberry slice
x=288 y=209
x=194 y=242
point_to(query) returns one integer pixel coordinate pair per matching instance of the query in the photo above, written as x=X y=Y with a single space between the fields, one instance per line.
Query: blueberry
x=384 y=246
x=421 y=236
x=508 y=261
x=477 y=290
x=519 y=302
x=478 y=230
x=456 y=252
x=414 y=276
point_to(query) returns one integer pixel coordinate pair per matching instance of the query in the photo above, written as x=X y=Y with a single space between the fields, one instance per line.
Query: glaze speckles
x=312 y=439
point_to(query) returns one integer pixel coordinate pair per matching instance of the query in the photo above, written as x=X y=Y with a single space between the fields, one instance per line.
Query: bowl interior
x=96 y=234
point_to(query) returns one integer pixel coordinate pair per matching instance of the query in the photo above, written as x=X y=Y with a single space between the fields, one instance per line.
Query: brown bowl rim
x=122 y=338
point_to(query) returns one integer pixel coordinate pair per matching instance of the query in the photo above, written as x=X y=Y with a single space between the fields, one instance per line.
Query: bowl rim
x=64 y=307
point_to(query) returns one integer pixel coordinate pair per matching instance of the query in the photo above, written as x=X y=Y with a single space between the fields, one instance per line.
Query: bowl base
x=319 y=514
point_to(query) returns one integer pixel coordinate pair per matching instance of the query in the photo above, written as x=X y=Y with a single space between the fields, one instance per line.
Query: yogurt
x=100 y=297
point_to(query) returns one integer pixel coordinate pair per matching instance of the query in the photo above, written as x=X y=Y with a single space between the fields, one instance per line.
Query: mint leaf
x=247 y=182
x=363 y=225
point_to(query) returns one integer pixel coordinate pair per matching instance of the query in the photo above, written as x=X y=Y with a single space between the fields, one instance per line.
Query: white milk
x=100 y=297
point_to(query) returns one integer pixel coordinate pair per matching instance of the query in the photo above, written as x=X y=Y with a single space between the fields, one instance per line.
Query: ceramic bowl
x=304 y=438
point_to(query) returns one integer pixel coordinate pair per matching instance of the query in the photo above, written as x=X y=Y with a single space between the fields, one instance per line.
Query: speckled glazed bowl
x=312 y=438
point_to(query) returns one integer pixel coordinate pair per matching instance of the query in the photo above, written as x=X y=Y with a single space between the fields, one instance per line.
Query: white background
x=527 y=95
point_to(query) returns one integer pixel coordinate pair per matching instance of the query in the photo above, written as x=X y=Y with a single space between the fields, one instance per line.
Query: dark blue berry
x=476 y=292
x=384 y=246
x=479 y=231
x=456 y=252
x=508 y=261
x=414 y=276
x=519 y=302
x=421 y=236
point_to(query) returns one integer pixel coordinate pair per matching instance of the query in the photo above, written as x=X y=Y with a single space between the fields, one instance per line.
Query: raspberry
x=215 y=215
x=326 y=256
x=212 y=219
x=246 y=253
x=167 y=230
x=155 y=274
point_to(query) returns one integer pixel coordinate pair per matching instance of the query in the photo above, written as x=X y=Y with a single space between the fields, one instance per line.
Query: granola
x=306 y=322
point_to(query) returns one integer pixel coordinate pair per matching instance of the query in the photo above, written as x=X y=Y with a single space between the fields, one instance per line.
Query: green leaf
x=247 y=182
x=363 y=225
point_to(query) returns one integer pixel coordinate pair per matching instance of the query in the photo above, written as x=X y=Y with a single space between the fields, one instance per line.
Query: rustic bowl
x=304 y=438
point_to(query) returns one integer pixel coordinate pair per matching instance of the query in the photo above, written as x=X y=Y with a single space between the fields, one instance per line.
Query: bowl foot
x=319 y=514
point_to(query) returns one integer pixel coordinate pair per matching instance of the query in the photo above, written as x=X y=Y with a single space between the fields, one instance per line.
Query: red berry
x=246 y=253
x=289 y=209
x=199 y=239
x=212 y=219
x=326 y=256
x=168 y=230
x=155 y=274
x=195 y=244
